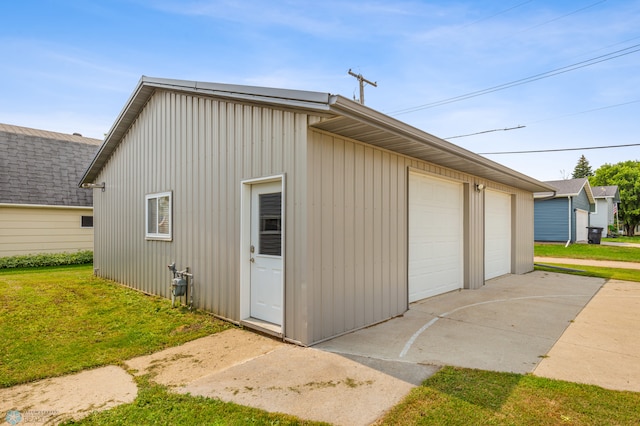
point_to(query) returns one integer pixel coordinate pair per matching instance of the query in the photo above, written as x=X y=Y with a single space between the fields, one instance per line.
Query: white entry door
x=266 y=252
x=435 y=236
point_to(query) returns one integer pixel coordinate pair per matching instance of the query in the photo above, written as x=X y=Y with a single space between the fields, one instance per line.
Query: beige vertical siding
x=200 y=149
x=43 y=229
x=522 y=232
x=357 y=227
x=345 y=212
x=357 y=250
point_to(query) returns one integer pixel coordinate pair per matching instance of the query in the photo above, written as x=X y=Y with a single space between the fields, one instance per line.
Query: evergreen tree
x=583 y=169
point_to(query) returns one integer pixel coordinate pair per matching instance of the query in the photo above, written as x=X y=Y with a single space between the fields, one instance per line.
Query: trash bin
x=595 y=233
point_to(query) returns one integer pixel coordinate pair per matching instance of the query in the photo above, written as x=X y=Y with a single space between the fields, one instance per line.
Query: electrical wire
x=563 y=16
x=598 y=59
x=545 y=119
x=496 y=14
x=586 y=111
x=486 y=131
x=560 y=149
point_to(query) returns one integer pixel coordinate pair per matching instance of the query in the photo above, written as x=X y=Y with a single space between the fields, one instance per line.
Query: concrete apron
x=508 y=325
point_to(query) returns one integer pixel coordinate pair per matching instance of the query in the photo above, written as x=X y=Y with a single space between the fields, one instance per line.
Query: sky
x=561 y=75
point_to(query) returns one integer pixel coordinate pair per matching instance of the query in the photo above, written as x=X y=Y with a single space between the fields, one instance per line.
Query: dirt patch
x=184 y=364
x=54 y=400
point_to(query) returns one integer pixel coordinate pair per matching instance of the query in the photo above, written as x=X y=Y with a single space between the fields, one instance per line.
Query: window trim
x=157 y=235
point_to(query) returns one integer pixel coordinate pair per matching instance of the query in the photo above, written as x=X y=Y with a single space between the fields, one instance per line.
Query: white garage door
x=497 y=234
x=435 y=236
x=582 y=221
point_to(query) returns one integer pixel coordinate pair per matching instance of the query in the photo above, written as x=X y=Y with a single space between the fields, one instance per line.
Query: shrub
x=46 y=259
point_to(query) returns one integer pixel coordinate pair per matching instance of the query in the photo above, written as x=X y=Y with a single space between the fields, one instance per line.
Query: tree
x=583 y=169
x=626 y=175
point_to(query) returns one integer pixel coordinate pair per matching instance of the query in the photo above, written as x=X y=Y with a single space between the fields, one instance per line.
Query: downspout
x=569 y=222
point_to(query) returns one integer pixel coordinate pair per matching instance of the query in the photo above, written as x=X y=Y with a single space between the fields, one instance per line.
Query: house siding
x=43 y=229
x=603 y=215
x=201 y=149
x=357 y=223
x=552 y=220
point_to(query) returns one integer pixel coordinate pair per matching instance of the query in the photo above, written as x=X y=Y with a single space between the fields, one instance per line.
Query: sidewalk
x=602 y=346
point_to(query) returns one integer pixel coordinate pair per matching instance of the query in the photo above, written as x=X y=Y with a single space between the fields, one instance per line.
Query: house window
x=86 y=221
x=159 y=219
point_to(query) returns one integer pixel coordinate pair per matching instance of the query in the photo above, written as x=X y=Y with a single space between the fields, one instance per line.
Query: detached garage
x=302 y=214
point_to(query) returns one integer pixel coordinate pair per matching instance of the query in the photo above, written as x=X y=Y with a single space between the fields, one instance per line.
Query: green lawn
x=155 y=405
x=588 y=251
x=623 y=239
x=60 y=320
x=63 y=319
x=457 y=396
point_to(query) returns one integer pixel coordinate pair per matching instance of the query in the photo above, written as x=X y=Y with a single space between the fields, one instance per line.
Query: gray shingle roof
x=42 y=167
x=571 y=187
x=605 y=191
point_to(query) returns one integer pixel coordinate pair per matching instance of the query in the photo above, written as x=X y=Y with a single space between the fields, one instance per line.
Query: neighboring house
x=607 y=199
x=564 y=215
x=302 y=214
x=42 y=210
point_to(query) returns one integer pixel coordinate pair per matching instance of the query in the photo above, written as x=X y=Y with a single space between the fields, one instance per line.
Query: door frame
x=245 y=245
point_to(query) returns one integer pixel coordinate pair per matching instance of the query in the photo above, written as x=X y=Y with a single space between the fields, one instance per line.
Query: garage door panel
x=582 y=222
x=497 y=235
x=435 y=236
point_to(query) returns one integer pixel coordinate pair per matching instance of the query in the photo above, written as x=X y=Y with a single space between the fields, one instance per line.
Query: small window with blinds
x=271 y=224
x=159 y=218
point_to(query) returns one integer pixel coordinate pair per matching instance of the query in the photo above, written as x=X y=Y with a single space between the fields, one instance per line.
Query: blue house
x=564 y=215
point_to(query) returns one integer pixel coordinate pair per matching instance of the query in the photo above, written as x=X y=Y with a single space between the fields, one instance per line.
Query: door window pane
x=271 y=224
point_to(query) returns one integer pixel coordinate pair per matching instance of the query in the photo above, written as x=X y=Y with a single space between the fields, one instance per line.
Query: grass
x=156 y=405
x=60 y=320
x=63 y=319
x=623 y=239
x=588 y=251
x=596 y=271
x=458 y=396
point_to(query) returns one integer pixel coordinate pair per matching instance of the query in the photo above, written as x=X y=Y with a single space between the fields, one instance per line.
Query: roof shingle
x=42 y=167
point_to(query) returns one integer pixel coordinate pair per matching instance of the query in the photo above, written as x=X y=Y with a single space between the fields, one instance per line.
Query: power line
x=559 y=149
x=546 y=119
x=602 y=58
x=496 y=14
x=486 y=131
x=586 y=111
x=563 y=16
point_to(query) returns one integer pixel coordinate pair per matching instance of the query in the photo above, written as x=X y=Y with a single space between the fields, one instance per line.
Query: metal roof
x=340 y=116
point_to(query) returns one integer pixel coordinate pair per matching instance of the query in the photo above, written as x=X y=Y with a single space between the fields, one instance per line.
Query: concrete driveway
x=508 y=325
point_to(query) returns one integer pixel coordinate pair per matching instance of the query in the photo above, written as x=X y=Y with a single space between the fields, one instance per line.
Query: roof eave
x=298 y=99
x=343 y=106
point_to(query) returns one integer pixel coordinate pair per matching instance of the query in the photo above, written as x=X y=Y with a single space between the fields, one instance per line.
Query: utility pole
x=362 y=81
